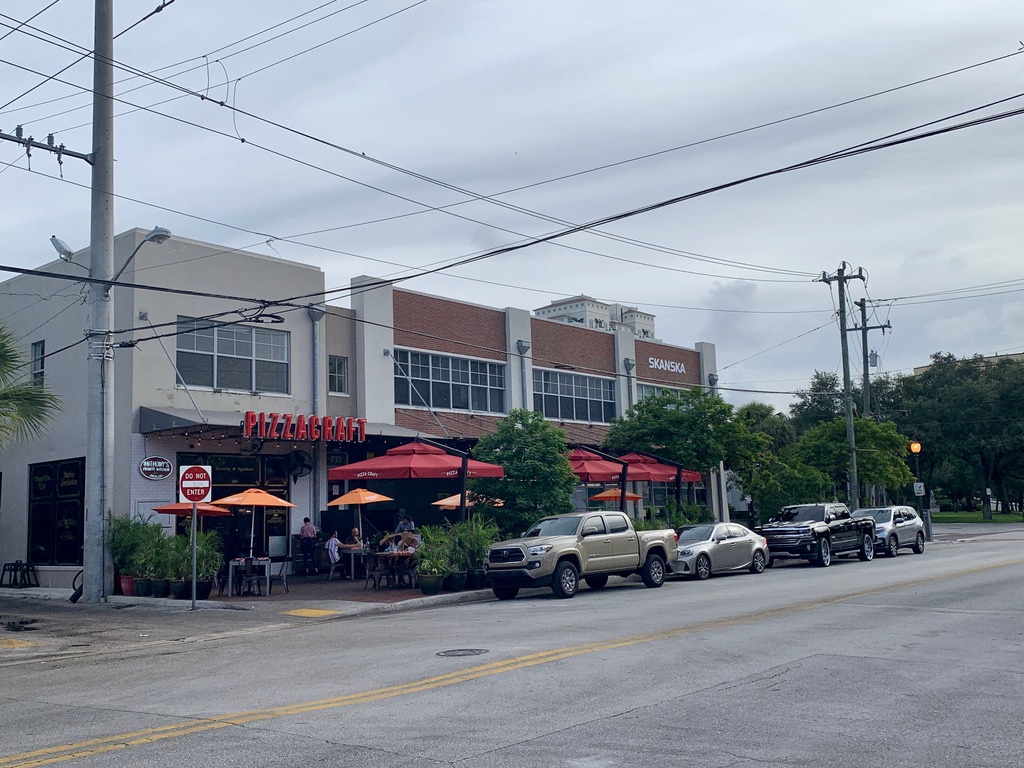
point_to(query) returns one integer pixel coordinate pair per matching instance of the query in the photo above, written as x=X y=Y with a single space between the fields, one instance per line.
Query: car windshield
x=805 y=513
x=697 y=533
x=880 y=515
x=554 y=526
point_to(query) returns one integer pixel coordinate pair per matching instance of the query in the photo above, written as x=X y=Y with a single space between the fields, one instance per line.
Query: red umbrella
x=414 y=460
x=644 y=468
x=591 y=468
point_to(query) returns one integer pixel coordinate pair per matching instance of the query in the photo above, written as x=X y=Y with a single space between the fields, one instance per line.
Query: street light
x=915 y=448
x=97 y=567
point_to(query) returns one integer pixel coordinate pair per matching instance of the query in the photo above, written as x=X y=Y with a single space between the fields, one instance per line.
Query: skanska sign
x=660 y=364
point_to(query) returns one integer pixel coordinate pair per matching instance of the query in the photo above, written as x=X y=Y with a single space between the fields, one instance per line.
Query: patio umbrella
x=253 y=497
x=614 y=494
x=658 y=472
x=414 y=460
x=455 y=501
x=592 y=468
x=359 y=497
x=417 y=459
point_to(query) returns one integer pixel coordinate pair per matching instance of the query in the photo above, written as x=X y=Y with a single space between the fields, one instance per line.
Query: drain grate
x=20 y=625
x=463 y=652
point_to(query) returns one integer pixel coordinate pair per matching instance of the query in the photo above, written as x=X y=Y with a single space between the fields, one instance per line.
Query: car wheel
x=892 y=546
x=566 y=580
x=702 y=568
x=919 y=544
x=505 y=593
x=757 y=565
x=653 y=572
x=824 y=558
x=867 y=548
x=597 y=582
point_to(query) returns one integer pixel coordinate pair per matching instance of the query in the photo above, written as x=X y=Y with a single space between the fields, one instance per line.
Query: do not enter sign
x=195 y=483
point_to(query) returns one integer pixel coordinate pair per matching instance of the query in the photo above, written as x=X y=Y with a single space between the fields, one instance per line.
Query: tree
x=761 y=417
x=821 y=402
x=690 y=426
x=881 y=452
x=774 y=482
x=25 y=409
x=538 y=480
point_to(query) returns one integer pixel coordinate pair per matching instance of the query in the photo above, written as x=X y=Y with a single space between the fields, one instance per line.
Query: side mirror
x=829 y=518
x=589 y=530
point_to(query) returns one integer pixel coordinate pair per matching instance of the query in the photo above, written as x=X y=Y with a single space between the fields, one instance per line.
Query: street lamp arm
x=155 y=235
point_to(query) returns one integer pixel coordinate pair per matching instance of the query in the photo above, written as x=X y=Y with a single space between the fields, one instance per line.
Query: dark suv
x=816 y=532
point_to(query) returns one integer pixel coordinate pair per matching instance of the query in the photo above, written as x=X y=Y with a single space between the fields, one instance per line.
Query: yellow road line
x=99 y=746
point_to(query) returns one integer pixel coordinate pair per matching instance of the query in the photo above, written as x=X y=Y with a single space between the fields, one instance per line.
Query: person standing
x=308 y=545
x=332 y=546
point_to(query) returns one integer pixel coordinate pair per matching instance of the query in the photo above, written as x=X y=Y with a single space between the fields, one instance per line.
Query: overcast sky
x=491 y=96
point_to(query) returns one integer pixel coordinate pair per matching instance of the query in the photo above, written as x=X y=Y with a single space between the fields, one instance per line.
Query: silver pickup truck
x=557 y=551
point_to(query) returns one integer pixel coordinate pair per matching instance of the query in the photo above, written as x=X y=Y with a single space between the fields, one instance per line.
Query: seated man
x=405 y=524
x=401 y=541
x=354 y=541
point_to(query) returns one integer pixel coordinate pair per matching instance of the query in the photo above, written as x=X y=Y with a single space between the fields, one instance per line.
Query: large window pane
x=446 y=382
x=579 y=397
x=195 y=369
x=271 y=377
x=234 y=373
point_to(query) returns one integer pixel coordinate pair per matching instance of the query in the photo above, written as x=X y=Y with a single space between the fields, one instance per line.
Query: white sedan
x=717 y=547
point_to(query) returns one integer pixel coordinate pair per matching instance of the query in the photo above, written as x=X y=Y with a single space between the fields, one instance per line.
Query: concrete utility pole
x=841 y=278
x=98 y=576
x=864 y=328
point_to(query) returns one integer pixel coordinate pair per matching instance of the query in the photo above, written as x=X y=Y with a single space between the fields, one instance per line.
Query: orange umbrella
x=613 y=494
x=358 y=496
x=253 y=497
x=184 y=509
x=455 y=501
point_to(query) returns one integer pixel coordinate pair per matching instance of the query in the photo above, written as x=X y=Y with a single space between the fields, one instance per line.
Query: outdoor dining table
x=263 y=564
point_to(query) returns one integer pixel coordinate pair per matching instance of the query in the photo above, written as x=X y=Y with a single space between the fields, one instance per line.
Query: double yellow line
x=94 y=747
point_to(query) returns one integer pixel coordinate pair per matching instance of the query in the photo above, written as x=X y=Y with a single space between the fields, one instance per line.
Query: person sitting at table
x=332 y=553
x=402 y=541
x=405 y=524
x=354 y=541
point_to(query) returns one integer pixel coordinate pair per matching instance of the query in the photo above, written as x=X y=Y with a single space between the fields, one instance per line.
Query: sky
x=374 y=129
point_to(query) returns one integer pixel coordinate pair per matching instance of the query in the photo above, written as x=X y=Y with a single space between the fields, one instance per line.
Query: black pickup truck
x=816 y=532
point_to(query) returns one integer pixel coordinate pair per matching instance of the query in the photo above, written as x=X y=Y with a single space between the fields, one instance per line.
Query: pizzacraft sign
x=292 y=426
x=155 y=468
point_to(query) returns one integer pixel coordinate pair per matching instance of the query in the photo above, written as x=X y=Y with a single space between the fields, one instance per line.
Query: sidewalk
x=309 y=596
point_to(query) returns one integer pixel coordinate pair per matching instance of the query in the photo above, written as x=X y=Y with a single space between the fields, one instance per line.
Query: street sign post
x=195 y=484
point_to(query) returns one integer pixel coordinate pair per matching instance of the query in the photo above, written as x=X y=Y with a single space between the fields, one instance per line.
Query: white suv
x=896 y=527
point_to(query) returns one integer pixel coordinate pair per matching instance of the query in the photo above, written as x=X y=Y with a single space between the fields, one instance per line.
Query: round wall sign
x=155 y=468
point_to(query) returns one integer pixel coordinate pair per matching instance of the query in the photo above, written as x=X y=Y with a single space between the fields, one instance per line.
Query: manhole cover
x=463 y=652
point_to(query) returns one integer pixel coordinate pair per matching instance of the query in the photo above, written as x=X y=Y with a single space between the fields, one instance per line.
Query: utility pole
x=841 y=278
x=864 y=328
x=98 y=576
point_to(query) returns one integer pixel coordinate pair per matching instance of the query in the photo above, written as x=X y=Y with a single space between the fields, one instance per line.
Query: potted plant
x=209 y=560
x=473 y=537
x=148 y=554
x=433 y=558
x=161 y=568
x=179 y=567
x=126 y=535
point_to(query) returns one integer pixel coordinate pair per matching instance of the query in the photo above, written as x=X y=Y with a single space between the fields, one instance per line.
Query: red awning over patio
x=644 y=468
x=591 y=468
x=413 y=460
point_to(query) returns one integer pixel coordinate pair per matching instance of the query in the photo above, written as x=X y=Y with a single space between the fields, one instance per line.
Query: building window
x=337 y=375
x=233 y=356
x=448 y=383
x=649 y=390
x=572 y=396
x=38 y=362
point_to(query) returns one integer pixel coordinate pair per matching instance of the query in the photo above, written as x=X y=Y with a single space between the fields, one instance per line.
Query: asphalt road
x=912 y=661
